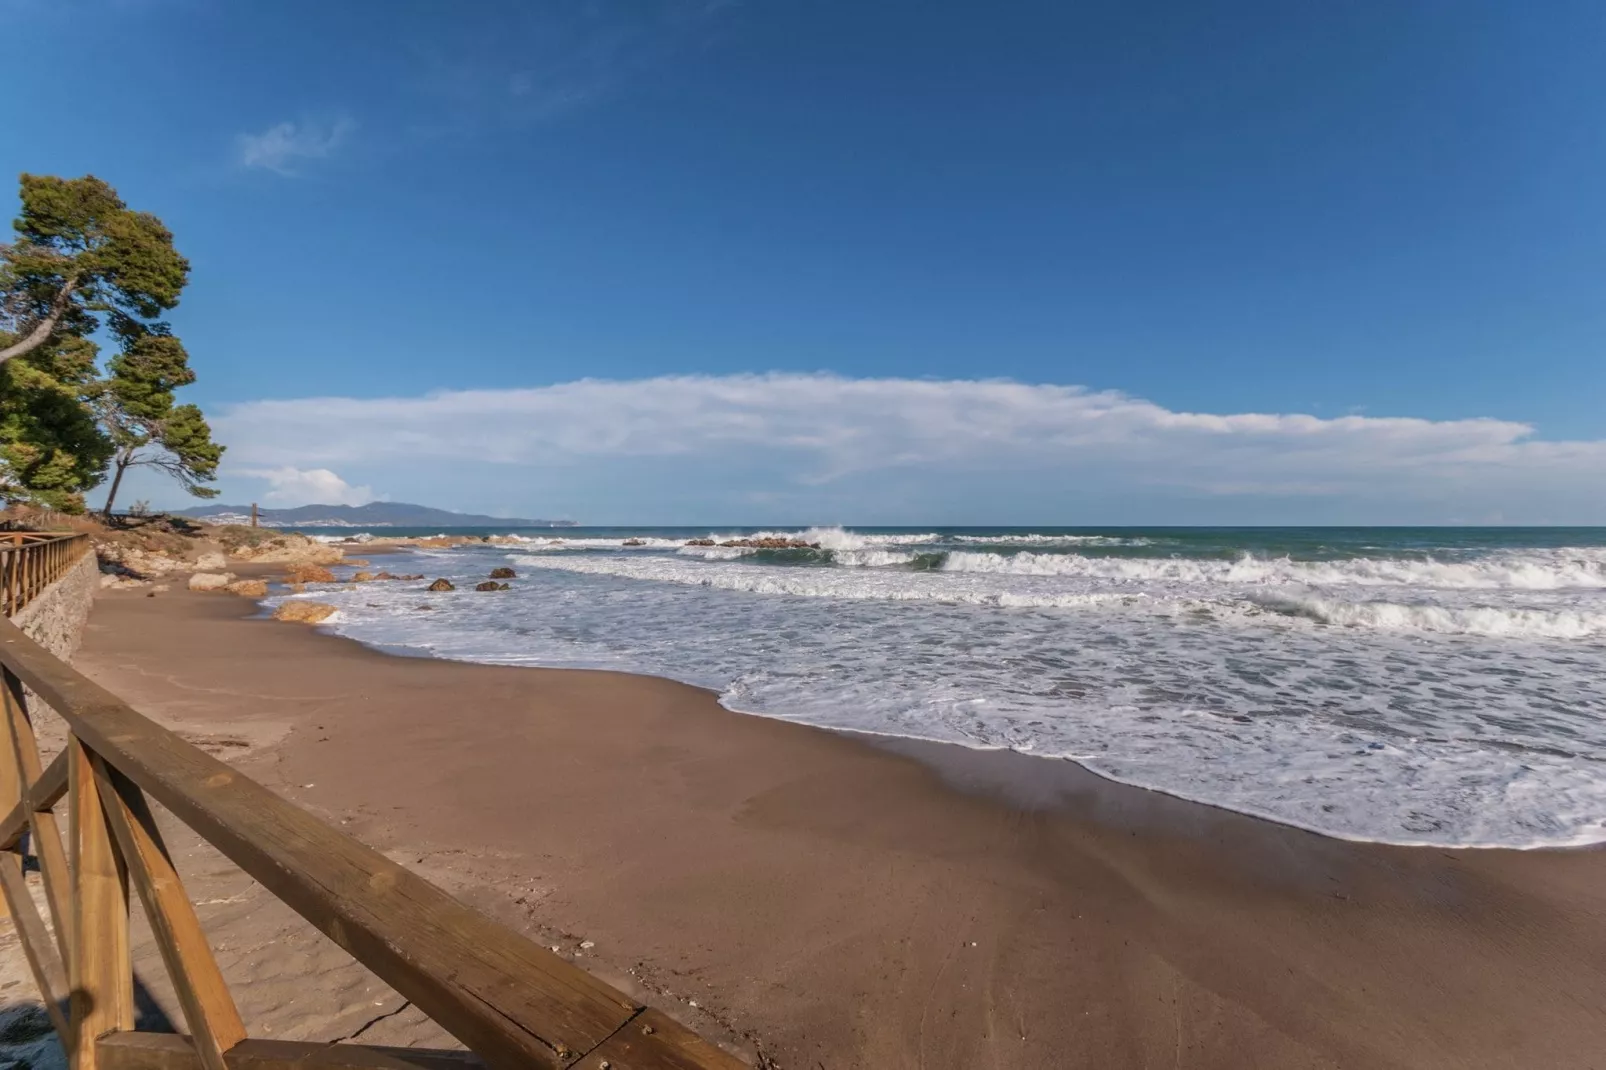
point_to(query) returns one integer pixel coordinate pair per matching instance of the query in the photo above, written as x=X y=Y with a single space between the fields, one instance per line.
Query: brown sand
x=841 y=904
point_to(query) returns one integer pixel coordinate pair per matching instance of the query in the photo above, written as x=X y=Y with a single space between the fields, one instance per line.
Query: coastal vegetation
x=82 y=271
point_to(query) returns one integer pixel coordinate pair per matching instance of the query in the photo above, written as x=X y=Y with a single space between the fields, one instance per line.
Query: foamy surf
x=1425 y=688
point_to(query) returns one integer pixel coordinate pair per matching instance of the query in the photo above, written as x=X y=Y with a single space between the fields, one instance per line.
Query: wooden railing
x=510 y=1002
x=30 y=561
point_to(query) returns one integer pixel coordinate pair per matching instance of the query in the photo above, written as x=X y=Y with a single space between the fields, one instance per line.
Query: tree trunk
x=42 y=330
x=123 y=461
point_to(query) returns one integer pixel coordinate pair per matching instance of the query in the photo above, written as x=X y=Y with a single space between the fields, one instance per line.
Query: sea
x=1440 y=686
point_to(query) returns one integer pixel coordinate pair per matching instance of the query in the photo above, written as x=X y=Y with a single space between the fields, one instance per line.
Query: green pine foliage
x=85 y=266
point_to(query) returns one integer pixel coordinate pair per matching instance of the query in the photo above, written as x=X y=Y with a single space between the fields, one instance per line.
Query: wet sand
x=843 y=902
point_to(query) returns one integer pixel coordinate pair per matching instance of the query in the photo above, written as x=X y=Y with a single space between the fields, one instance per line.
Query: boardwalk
x=510 y=1002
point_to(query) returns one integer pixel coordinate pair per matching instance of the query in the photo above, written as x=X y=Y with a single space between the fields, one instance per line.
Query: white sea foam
x=1454 y=620
x=1452 y=700
x=848 y=583
x=1051 y=540
x=1034 y=587
x=1536 y=570
x=622 y=542
x=873 y=558
x=840 y=539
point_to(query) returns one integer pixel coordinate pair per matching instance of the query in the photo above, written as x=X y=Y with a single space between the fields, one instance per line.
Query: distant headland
x=372 y=515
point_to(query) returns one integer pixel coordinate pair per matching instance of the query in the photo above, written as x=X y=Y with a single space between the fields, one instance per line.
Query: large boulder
x=363 y=577
x=301 y=611
x=211 y=581
x=248 y=588
x=308 y=573
x=491 y=585
x=503 y=574
x=441 y=585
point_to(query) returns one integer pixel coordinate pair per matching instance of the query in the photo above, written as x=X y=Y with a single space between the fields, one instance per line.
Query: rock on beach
x=210 y=581
x=300 y=611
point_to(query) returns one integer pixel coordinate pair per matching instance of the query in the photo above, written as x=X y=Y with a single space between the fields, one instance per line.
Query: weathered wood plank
x=46 y=833
x=655 y=1041
x=514 y=1003
x=37 y=947
x=45 y=793
x=102 y=974
x=13 y=788
x=166 y=1051
x=209 y=1010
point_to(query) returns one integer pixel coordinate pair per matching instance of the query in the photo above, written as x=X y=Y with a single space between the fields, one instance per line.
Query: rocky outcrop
x=248 y=588
x=633 y=542
x=136 y=562
x=300 y=611
x=210 y=581
x=363 y=577
x=503 y=574
x=441 y=585
x=766 y=544
x=277 y=548
x=491 y=585
x=699 y=542
x=309 y=573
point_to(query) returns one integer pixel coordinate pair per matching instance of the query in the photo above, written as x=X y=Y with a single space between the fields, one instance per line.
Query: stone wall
x=55 y=620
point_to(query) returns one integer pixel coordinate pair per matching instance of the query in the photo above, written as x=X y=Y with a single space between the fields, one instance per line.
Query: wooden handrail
x=511 y=1002
x=30 y=561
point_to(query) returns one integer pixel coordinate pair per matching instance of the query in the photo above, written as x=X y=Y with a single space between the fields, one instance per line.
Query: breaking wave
x=1407 y=686
x=1536 y=571
x=1449 y=620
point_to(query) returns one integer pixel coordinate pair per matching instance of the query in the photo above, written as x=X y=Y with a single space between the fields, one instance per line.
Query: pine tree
x=83 y=264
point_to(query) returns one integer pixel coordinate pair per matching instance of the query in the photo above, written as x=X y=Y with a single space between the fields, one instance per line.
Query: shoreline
x=736 y=850
x=932 y=750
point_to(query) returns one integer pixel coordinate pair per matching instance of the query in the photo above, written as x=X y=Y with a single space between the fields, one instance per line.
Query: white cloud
x=808 y=439
x=292 y=486
x=281 y=146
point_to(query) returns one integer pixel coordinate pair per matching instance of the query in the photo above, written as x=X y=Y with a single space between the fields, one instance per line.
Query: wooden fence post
x=102 y=975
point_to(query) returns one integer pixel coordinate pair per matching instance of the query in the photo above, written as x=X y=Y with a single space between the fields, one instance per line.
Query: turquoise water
x=1420 y=685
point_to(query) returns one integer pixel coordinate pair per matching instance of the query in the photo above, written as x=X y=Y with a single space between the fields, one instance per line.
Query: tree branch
x=42 y=330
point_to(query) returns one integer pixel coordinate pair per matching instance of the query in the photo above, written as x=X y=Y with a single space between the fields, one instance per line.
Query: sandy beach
x=833 y=901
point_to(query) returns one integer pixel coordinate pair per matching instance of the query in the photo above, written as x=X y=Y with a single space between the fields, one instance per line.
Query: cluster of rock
x=276 y=548
x=226 y=581
x=503 y=573
x=766 y=543
x=134 y=558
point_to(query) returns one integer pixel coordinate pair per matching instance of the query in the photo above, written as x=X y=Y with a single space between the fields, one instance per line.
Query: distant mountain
x=372 y=515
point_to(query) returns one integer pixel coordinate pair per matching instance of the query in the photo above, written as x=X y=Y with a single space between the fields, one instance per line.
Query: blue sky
x=408 y=216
